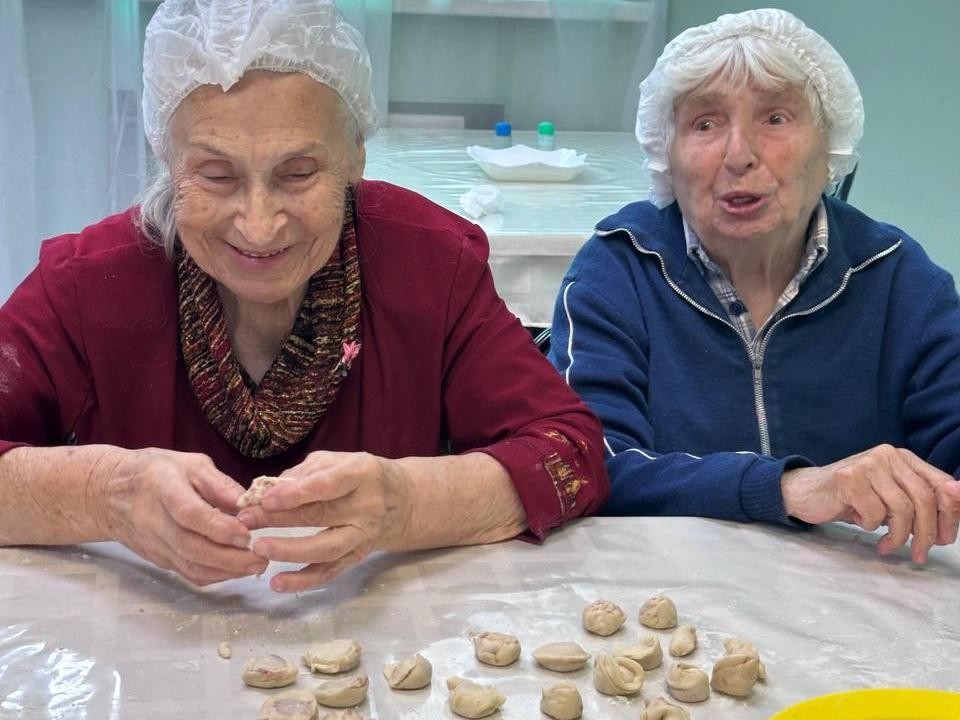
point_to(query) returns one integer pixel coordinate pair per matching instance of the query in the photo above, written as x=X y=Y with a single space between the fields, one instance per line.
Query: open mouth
x=259 y=255
x=742 y=202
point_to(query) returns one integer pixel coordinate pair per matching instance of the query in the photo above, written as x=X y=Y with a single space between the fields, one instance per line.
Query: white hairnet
x=214 y=42
x=839 y=95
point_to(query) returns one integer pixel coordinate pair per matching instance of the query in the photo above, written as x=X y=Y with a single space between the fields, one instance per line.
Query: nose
x=740 y=153
x=261 y=218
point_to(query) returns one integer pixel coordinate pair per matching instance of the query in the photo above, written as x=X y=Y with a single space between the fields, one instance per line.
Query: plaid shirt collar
x=816 y=251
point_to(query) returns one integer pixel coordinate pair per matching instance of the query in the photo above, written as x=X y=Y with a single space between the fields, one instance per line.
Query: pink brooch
x=350 y=352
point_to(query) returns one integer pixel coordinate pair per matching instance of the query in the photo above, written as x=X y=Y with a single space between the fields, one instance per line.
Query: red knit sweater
x=89 y=353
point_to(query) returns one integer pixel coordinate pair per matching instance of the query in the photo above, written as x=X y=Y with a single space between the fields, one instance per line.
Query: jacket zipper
x=756 y=359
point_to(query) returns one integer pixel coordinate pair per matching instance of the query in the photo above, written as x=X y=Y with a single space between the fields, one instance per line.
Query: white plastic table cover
x=542 y=224
x=94 y=632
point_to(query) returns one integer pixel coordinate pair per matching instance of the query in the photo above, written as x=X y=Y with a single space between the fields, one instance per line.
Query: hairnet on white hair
x=214 y=42
x=779 y=32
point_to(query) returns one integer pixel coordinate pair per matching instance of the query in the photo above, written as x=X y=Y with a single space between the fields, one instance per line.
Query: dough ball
x=602 y=617
x=617 y=675
x=258 y=488
x=495 y=648
x=561 y=656
x=224 y=650
x=683 y=641
x=333 y=657
x=735 y=674
x=646 y=651
x=660 y=709
x=688 y=683
x=289 y=705
x=473 y=700
x=562 y=701
x=269 y=671
x=659 y=613
x=348 y=692
x=348 y=714
x=736 y=646
x=412 y=673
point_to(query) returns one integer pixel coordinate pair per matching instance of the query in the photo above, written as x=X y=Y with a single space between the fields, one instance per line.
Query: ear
x=355 y=173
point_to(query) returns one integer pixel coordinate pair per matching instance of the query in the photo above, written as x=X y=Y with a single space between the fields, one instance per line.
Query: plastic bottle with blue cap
x=502 y=135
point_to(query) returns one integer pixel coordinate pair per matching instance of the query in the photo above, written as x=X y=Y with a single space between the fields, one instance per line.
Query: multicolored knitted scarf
x=266 y=419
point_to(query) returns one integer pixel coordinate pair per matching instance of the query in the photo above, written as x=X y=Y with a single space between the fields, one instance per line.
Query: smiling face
x=747 y=163
x=260 y=174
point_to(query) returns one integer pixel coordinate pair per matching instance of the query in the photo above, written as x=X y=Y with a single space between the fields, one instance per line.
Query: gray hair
x=157 y=218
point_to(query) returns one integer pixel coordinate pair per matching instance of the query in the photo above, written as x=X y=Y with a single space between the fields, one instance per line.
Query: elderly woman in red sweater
x=266 y=312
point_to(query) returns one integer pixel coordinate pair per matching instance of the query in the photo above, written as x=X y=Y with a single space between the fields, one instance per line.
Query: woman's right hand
x=173 y=509
x=881 y=486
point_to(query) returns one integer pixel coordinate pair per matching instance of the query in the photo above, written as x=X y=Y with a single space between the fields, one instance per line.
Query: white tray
x=523 y=163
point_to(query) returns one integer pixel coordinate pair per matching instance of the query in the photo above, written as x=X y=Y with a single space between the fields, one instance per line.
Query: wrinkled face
x=747 y=164
x=260 y=174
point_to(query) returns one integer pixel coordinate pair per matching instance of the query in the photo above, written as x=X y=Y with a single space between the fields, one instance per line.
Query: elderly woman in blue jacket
x=756 y=349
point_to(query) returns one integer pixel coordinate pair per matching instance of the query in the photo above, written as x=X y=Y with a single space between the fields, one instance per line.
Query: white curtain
x=18 y=233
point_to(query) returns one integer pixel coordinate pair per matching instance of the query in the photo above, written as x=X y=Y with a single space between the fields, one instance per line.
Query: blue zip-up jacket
x=695 y=424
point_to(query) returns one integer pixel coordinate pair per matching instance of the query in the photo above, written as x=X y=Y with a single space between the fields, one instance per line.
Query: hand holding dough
x=410 y=674
x=333 y=657
x=617 y=675
x=683 y=641
x=269 y=671
x=602 y=617
x=290 y=705
x=348 y=692
x=646 y=651
x=258 y=488
x=472 y=700
x=660 y=709
x=498 y=649
x=561 y=656
x=735 y=674
x=688 y=683
x=659 y=613
x=562 y=701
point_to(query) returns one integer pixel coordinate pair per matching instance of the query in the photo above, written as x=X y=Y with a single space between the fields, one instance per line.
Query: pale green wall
x=905 y=55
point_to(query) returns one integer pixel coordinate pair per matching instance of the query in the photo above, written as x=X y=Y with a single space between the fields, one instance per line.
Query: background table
x=542 y=224
x=93 y=632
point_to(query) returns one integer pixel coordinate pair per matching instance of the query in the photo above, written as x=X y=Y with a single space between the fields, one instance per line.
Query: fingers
x=327 y=554
x=323 y=477
x=191 y=512
x=216 y=488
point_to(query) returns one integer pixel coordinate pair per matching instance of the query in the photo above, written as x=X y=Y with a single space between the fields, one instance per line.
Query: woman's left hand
x=360 y=500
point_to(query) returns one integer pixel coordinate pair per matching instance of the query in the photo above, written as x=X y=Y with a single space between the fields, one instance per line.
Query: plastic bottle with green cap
x=545 y=140
x=502 y=135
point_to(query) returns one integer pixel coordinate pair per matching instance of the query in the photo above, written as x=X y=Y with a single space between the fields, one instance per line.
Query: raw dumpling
x=683 y=641
x=333 y=657
x=562 y=701
x=269 y=671
x=647 y=652
x=348 y=692
x=561 y=656
x=602 y=617
x=410 y=674
x=736 y=646
x=660 y=709
x=659 y=613
x=617 y=675
x=495 y=648
x=472 y=700
x=289 y=705
x=735 y=674
x=348 y=714
x=688 y=683
x=258 y=488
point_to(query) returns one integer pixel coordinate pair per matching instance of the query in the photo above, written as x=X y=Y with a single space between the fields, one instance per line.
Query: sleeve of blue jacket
x=601 y=349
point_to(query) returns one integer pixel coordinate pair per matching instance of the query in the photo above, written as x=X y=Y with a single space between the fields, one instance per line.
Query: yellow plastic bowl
x=877 y=704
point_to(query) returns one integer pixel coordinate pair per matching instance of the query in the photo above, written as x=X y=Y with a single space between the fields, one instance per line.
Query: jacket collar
x=854 y=241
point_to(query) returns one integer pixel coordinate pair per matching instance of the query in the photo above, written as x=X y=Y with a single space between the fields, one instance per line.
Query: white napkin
x=481 y=200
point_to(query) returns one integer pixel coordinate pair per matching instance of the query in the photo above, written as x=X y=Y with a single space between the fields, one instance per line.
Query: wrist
x=106 y=484
x=399 y=506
